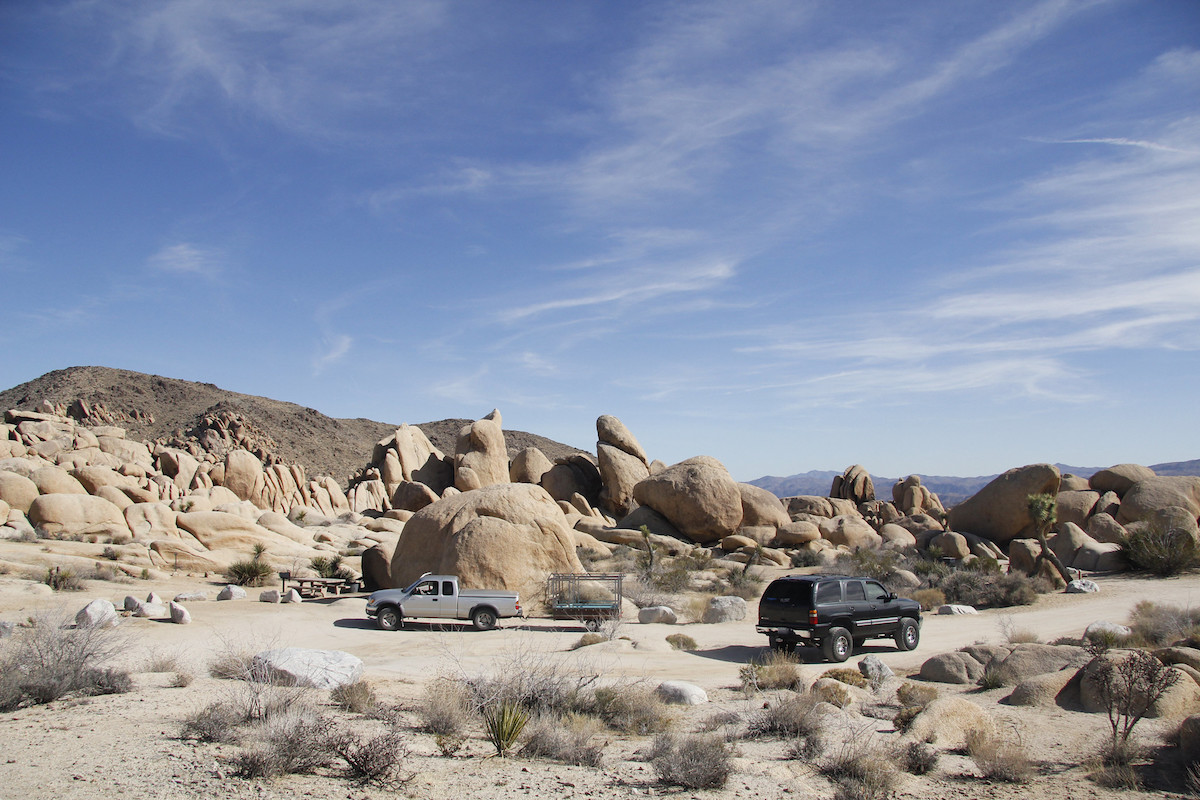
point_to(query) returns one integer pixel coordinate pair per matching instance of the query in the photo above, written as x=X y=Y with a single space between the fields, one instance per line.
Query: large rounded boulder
x=760 y=507
x=507 y=536
x=1119 y=478
x=698 y=496
x=999 y=510
x=1147 y=496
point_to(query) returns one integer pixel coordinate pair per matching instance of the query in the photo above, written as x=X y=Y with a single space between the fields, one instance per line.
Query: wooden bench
x=313 y=587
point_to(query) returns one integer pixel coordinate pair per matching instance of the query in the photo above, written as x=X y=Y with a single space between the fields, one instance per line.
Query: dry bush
x=52 y=657
x=1162 y=549
x=589 y=639
x=846 y=675
x=860 y=769
x=231 y=665
x=446 y=708
x=537 y=681
x=778 y=670
x=998 y=758
x=790 y=715
x=357 y=697
x=295 y=740
x=988 y=590
x=905 y=716
x=571 y=739
x=216 y=722
x=63 y=579
x=929 y=598
x=910 y=694
x=1159 y=624
x=918 y=758
x=1128 y=688
x=182 y=679
x=698 y=761
x=381 y=760
x=1117 y=775
x=632 y=708
x=681 y=641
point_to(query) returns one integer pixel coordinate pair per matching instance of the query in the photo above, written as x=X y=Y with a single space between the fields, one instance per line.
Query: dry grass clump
x=998 y=758
x=357 y=697
x=851 y=677
x=589 y=639
x=698 y=761
x=63 y=579
x=230 y=664
x=51 y=658
x=538 y=682
x=778 y=670
x=910 y=693
x=381 y=760
x=789 y=715
x=216 y=722
x=860 y=769
x=291 y=741
x=1160 y=624
x=446 y=708
x=681 y=641
x=632 y=708
x=918 y=758
x=571 y=739
x=929 y=598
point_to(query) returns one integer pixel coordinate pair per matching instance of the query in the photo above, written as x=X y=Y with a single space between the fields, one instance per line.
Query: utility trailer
x=588 y=598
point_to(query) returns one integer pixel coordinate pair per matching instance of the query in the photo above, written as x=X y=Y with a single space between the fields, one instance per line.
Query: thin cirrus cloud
x=185 y=258
x=333 y=349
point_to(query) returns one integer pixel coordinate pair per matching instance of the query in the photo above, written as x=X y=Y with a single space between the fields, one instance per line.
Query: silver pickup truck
x=438 y=597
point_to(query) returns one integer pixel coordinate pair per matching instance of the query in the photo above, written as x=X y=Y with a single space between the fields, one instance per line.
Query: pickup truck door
x=424 y=601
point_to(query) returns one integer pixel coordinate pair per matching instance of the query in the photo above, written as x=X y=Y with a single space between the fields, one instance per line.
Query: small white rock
x=179 y=614
x=269 y=596
x=1082 y=586
x=290 y=596
x=231 y=592
x=956 y=609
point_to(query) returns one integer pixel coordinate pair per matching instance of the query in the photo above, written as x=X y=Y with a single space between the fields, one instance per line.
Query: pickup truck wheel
x=908 y=635
x=484 y=619
x=389 y=619
x=838 y=645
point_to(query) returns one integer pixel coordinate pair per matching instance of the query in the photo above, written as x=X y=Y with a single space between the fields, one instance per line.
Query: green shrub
x=1161 y=549
x=681 y=641
x=878 y=564
x=330 y=567
x=699 y=761
x=249 y=572
x=988 y=590
x=62 y=579
x=503 y=723
x=806 y=558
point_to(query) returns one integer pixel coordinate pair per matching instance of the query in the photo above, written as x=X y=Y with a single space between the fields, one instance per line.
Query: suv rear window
x=829 y=592
x=789 y=593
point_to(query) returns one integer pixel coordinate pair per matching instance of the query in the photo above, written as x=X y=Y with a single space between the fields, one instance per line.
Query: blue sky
x=946 y=238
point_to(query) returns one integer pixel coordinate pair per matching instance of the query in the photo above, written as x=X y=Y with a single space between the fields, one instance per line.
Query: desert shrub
x=903 y=718
x=632 y=708
x=51 y=658
x=992 y=678
x=231 y=665
x=297 y=740
x=681 y=641
x=929 y=598
x=998 y=758
x=806 y=558
x=536 y=681
x=1159 y=624
x=249 y=572
x=878 y=564
x=503 y=724
x=741 y=583
x=331 y=567
x=110 y=553
x=1121 y=775
x=673 y=579
x=911 y=693
x=260 y=762
x=571 y=739
x=778 y=670
x=589 y=639
x=985 y=564
x=381 y=760
x=929 y=567
x=860 y=769
x=183 y=678
x=106 y=680
x=846 y=675
x=988 y=590
x=1128 y=688
x=1161 y=549
x=918 y=758
x=62 y=579
x=446 y=708
x=697 y=559
x=357 y=697
x=699 y=761
x=216 y=722
x=790 y=715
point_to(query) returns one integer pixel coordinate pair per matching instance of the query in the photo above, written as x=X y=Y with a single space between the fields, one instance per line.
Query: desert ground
x=129 y=746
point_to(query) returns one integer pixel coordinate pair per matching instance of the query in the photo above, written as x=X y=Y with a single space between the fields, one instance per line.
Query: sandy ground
x=127 y=745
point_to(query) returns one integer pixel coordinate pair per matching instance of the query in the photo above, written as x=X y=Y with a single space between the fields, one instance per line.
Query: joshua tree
x=1042 y=508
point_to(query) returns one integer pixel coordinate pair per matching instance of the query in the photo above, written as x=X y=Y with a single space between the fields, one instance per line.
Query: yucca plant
x=504 y=722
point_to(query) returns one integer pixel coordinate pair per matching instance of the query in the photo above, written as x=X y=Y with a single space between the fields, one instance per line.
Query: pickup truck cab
x=836 y=613
x=439 y=597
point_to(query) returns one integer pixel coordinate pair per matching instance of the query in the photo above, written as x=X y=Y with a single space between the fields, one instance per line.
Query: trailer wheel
x=484 y=619
x=592 y=624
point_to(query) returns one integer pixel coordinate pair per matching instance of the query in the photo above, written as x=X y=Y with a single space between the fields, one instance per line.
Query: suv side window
x=854 y=591
x=876 y=593
x=829 y=592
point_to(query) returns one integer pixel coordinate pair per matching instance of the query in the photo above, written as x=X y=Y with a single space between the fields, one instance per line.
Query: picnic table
x=317 y=587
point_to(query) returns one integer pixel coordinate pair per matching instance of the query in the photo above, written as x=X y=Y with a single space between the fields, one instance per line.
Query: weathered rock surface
x=956 y=667
x=854 y=484
x=725 y=609
x=948 y=721
x=480 y=454
x=681 y=693
x=697 y=496
x=528 y=466
x=998 y=511
x=657 y=614
x=1147 y=496
x=620 y=472
x=761 y=508
x=1119 y=478
x=318 y=669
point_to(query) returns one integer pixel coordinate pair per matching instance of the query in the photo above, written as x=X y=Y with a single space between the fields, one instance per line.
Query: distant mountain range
x=951 y=489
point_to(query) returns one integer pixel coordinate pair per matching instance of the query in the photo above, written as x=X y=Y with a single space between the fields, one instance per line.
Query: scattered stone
x=150 y=610
x=956 y=667
x=956 y=609
x=660 y=614
x=7 y=629
x=291 y=596
x=725 y=609
x=319 y=669
x=269 y=596
x=875 y=670
x=179 y=614
x=231 y=592
x=191 y=597
x=154 y=598
x=131 y=603
x=1101 y=628
x=97 y=614
x=681 y=693
x=1082 y=586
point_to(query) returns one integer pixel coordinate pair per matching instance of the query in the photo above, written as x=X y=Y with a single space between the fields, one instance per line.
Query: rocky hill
x=152 y=407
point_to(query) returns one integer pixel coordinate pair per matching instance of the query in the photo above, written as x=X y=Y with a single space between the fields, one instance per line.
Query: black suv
x=836 y=612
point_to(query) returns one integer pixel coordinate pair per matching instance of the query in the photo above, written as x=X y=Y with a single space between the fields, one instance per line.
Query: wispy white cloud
x=187 y=258
x=332 y=349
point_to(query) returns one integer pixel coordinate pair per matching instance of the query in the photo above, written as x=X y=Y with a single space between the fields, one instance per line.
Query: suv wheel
x=908 y=635
x=838 y=645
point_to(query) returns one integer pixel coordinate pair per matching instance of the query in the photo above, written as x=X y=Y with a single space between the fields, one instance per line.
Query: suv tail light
x=812 y=616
